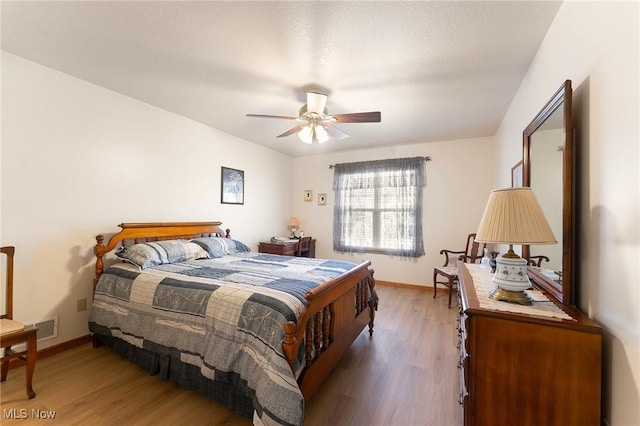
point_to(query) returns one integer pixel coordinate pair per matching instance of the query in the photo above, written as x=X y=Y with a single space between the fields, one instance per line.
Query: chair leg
x=32 y=353
x=451 y=280
x=435 y=285
x=4 y=365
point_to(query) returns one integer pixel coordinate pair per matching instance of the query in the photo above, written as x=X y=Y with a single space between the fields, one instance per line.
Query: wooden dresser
x=525 y=368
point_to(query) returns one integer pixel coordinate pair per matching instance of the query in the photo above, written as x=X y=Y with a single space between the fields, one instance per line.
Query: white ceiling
x=436 y=70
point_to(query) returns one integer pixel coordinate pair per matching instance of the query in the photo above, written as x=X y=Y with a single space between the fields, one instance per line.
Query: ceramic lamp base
x=511 y=279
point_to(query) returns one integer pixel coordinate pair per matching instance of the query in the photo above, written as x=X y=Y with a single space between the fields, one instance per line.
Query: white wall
x=459 y=180
x=78 y=159
x=596 y=45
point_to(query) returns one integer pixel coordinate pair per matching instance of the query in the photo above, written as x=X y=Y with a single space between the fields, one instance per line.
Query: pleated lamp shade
x=513 y=216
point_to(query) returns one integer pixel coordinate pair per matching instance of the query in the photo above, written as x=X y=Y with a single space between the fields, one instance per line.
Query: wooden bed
x=336 y=311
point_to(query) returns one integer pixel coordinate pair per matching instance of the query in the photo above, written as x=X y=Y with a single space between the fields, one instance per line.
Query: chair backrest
x=537 y=260
x=303 y=245
x=474 y=250
x=10 y=252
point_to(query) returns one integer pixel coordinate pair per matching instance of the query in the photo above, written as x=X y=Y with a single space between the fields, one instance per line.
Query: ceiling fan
x=316 y=125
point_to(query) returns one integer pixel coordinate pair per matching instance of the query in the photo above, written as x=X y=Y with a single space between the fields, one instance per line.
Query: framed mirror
x=549 y=168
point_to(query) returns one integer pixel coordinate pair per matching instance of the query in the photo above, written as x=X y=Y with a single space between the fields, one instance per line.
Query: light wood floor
x=407 y=370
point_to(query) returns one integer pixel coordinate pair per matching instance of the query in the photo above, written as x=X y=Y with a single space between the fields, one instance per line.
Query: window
x=378 y=207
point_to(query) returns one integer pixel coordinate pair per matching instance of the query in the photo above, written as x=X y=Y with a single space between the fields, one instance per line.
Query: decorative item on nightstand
x=513 y=216
x=293 y=225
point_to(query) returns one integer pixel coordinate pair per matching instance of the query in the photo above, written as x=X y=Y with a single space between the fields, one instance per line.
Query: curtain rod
x=427 y=158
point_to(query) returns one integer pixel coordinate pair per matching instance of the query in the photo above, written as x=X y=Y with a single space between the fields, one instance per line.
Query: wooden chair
x=13 y=332
x=447 y=274
x=304 y=245
x=537 y=260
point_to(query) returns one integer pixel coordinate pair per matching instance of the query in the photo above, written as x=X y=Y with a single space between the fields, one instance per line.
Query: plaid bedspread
x=222 y=317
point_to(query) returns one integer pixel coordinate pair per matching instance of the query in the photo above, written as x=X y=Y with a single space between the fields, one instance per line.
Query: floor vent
x=47 y=329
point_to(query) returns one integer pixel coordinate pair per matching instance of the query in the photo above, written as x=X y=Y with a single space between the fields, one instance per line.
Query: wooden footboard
x=336 y=314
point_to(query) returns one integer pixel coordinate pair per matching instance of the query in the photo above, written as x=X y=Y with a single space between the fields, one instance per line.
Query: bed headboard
x=133 y=233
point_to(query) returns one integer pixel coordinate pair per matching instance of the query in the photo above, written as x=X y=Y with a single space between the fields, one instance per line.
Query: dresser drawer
x=283 y=249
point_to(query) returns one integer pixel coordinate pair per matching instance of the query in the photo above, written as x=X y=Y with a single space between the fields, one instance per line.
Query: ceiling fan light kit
x=317 y=124
x=313 y=133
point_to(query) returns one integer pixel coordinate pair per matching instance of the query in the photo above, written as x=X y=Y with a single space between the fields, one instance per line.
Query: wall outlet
x=81 y=305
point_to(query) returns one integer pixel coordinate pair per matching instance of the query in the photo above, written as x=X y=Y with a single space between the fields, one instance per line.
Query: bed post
x=289 y=346
x=98 y=250
x=373 y=301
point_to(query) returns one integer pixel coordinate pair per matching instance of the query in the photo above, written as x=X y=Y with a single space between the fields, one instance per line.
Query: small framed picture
x=322 y=199
x=516 y=175
x=232 y=186
x=308 y=195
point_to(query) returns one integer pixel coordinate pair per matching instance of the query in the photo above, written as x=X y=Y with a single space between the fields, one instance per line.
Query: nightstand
x=285 y=248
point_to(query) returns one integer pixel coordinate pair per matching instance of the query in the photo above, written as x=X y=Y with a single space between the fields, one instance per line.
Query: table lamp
x=513 y=216
x=293 y=225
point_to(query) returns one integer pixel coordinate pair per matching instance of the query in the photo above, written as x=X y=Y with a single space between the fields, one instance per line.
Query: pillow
x=218 y=247
x=159 y=252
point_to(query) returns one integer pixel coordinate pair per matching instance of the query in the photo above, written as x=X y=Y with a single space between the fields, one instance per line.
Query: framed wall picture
x=322 y=199
x=307 y=195
x=516 y=175
x=232 y=187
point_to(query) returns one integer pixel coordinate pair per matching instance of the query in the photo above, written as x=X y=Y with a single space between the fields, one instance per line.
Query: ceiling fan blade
x=359 y=117
x=316 y=102
x=281 y=117
x=334 y=132
x=290 y=131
